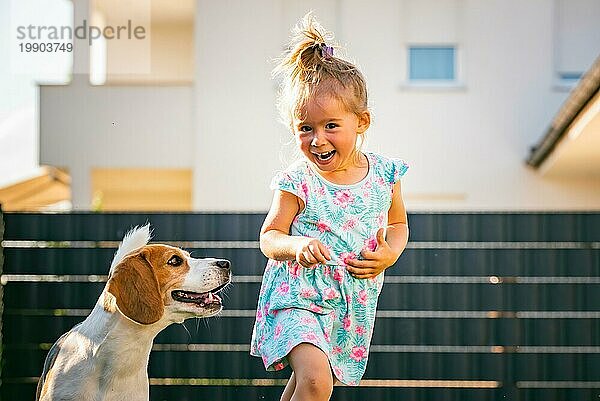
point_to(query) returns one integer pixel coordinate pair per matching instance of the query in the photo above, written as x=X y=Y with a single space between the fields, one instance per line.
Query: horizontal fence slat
x=452 y=262
x=407 y=366
x=504 y=226
x=98 y=260
x=12 y=391
x=405 y=296
x=227 y=364
x=431 y=226
x=557 y=367
x=558 y=394
x=84 y=226
x=406 y=331
x=26 y=391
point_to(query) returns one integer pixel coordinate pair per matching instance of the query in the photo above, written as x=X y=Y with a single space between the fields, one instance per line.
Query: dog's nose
x=223 y=264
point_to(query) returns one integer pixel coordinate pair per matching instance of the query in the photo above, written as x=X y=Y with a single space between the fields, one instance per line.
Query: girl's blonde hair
x=310 y=69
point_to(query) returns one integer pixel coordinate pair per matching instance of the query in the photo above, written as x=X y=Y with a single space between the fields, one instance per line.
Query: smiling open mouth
x=200 y=299
x=325 y=156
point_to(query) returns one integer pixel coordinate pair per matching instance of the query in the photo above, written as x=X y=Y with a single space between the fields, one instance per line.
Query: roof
x=580 y=96
x=51 y=186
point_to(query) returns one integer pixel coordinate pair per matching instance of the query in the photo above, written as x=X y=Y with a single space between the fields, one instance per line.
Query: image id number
x=45 y=47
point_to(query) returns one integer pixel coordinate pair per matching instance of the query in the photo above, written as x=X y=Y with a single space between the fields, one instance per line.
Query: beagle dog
x=105 y=357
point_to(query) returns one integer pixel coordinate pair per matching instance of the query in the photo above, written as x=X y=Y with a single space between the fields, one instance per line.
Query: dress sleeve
x=290 y=181
x=398 y=169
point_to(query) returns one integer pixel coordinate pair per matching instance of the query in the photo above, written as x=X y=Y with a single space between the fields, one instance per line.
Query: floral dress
x=325 y=305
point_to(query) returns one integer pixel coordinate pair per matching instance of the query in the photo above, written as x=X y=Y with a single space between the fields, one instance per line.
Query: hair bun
x=308 y=68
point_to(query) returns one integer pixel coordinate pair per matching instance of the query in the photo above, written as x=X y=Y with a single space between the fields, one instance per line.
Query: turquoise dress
x=325 y=305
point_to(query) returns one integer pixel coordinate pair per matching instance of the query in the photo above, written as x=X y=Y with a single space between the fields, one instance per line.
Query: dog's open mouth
x=201 y=299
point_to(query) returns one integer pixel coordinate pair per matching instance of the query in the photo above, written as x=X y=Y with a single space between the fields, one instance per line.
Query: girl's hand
x=374 y=262
x=312 y=251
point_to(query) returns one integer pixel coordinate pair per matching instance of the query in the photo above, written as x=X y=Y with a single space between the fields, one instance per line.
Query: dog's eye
x=175 y=261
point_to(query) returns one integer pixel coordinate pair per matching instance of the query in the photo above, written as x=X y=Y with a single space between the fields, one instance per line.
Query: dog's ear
x=135 y=288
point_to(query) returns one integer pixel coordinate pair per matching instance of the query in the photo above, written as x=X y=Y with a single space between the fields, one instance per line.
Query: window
x=431 y=63
x=570 y=77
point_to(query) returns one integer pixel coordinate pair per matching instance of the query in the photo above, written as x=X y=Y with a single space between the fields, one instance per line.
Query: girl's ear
x=364 y=120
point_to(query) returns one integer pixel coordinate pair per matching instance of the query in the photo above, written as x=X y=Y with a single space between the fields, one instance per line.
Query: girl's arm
x=389 y=248
x=276 y=241
x=397 y=229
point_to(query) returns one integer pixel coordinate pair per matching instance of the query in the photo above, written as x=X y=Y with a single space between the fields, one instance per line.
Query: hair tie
x=326 y=50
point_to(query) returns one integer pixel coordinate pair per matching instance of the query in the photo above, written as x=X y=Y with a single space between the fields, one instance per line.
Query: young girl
x=337 y=221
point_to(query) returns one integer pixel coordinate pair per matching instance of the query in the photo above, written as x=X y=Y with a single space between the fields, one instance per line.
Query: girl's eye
x=175 y=261
x=305 y=128
x=331 y=125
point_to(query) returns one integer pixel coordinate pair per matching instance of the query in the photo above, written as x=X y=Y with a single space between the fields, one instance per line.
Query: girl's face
x=327 y=133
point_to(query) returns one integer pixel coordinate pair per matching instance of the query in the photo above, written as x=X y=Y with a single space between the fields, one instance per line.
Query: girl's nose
x=318 y=138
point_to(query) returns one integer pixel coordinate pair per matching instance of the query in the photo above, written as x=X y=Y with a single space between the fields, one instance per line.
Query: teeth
x=325 y=155
x=202 y=299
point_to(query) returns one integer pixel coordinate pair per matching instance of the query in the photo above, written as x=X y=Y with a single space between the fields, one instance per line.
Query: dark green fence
x=481 y=306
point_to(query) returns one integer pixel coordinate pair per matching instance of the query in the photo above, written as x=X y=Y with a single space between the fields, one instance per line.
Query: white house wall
x=114 y=127
x=466 y=145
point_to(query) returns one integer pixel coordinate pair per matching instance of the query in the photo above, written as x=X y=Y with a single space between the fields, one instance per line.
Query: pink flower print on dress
x=358 y=353
x=304 y=187
x=294 y=269
x=308 y=320
x=323 y=226
x=362 y=297
x=310 y=337
x=308 y=292
x=278 y=330
x=259 y=315
x=381 y=220
x=327 y=338
x=278 y=366
x=343 y=198
x=346 y=322
x=338 y=276
x=380 y=181
x=360 y=330
x=316 y=308
x=320 y=190
x=336 y=350
x=370 y=244
x=326 y=270
x=350 y=223
x=344 y=256
x=330 y=293
x=283 y=288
